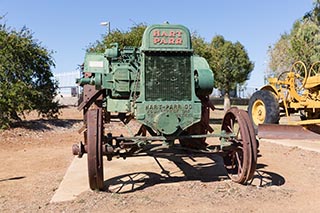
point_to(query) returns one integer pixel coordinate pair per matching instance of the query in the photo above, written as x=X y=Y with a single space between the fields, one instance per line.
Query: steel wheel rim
x=315 y=69
x=253 y=145
x=238 y=160
x=301 y=74
x=94 y=155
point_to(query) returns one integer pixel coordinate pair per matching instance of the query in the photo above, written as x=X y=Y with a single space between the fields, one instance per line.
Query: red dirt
x=35 y=158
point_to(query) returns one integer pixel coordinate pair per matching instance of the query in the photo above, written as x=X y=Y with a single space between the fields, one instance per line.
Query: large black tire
x=263 y=108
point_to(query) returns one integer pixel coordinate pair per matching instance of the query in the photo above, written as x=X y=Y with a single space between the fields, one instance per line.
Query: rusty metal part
x=75 y=149
x=90 y=95
x=199 y=128
x=78 y=149
x=254 y=144
x=82 y=129
x=274 y=131
x=95 y=155
x=240 y=158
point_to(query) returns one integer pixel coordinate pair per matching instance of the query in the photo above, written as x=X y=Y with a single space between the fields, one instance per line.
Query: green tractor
x=165 y=88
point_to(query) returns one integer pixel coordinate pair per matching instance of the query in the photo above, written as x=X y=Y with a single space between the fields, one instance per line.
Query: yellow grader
x=293 y=91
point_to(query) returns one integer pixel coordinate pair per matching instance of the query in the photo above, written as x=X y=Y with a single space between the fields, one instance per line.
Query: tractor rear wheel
x=263 y=108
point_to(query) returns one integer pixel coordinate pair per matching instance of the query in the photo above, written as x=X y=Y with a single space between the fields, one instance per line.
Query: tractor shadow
x=264 y=178
x=45 y=124
x=185 y=167
x=174 y=167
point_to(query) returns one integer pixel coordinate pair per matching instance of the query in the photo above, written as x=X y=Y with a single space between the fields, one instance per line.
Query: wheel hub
x=258 y=112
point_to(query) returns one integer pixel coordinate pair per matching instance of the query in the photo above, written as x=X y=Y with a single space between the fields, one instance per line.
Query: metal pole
x=106 y=23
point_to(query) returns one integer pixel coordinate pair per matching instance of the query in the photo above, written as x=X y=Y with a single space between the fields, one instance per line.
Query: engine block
x=160 y=84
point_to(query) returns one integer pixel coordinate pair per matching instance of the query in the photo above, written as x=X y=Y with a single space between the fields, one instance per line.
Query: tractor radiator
x=167 y=77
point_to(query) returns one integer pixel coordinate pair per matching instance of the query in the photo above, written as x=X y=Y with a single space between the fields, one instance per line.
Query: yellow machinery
x=296 y=90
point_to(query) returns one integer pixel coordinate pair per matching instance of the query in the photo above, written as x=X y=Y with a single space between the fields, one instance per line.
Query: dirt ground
x=36 y=154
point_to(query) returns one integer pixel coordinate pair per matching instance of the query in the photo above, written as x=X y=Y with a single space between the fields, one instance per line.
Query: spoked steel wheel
x=315 y=69
x=300 y=75
x=253 y=144
x=241 y=157
x=283 y=76
x=95 y=155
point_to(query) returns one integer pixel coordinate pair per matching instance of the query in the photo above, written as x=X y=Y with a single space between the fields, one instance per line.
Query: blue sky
x=68 y=27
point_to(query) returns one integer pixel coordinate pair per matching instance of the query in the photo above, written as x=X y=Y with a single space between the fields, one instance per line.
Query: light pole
x=106 y=23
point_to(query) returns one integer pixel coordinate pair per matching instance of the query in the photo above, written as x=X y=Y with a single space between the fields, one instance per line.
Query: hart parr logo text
x=173 y=37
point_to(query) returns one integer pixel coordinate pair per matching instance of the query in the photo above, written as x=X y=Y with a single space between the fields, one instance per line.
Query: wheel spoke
x=238 y=133
x=238 y=163
x=315 y=69
x=300 y=74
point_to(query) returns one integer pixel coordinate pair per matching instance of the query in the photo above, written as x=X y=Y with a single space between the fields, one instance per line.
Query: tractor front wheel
x=263 y=108
x=95 y=155
x=240 y=158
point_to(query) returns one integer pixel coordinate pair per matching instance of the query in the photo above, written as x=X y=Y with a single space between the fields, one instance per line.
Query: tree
x=200 y=46
x=230 y=64
x=314 y=14
x=305 y=42
x=25 y=76
x=279 y=56
x=133 y=38
x=301 y=44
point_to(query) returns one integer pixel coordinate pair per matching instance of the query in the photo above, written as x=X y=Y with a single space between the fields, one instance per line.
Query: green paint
x=159 y=83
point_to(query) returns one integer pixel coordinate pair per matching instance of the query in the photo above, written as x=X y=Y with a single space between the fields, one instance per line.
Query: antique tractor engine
x=165 y=88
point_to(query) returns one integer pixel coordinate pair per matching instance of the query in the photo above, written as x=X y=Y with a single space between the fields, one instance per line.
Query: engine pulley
x=166 y=122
